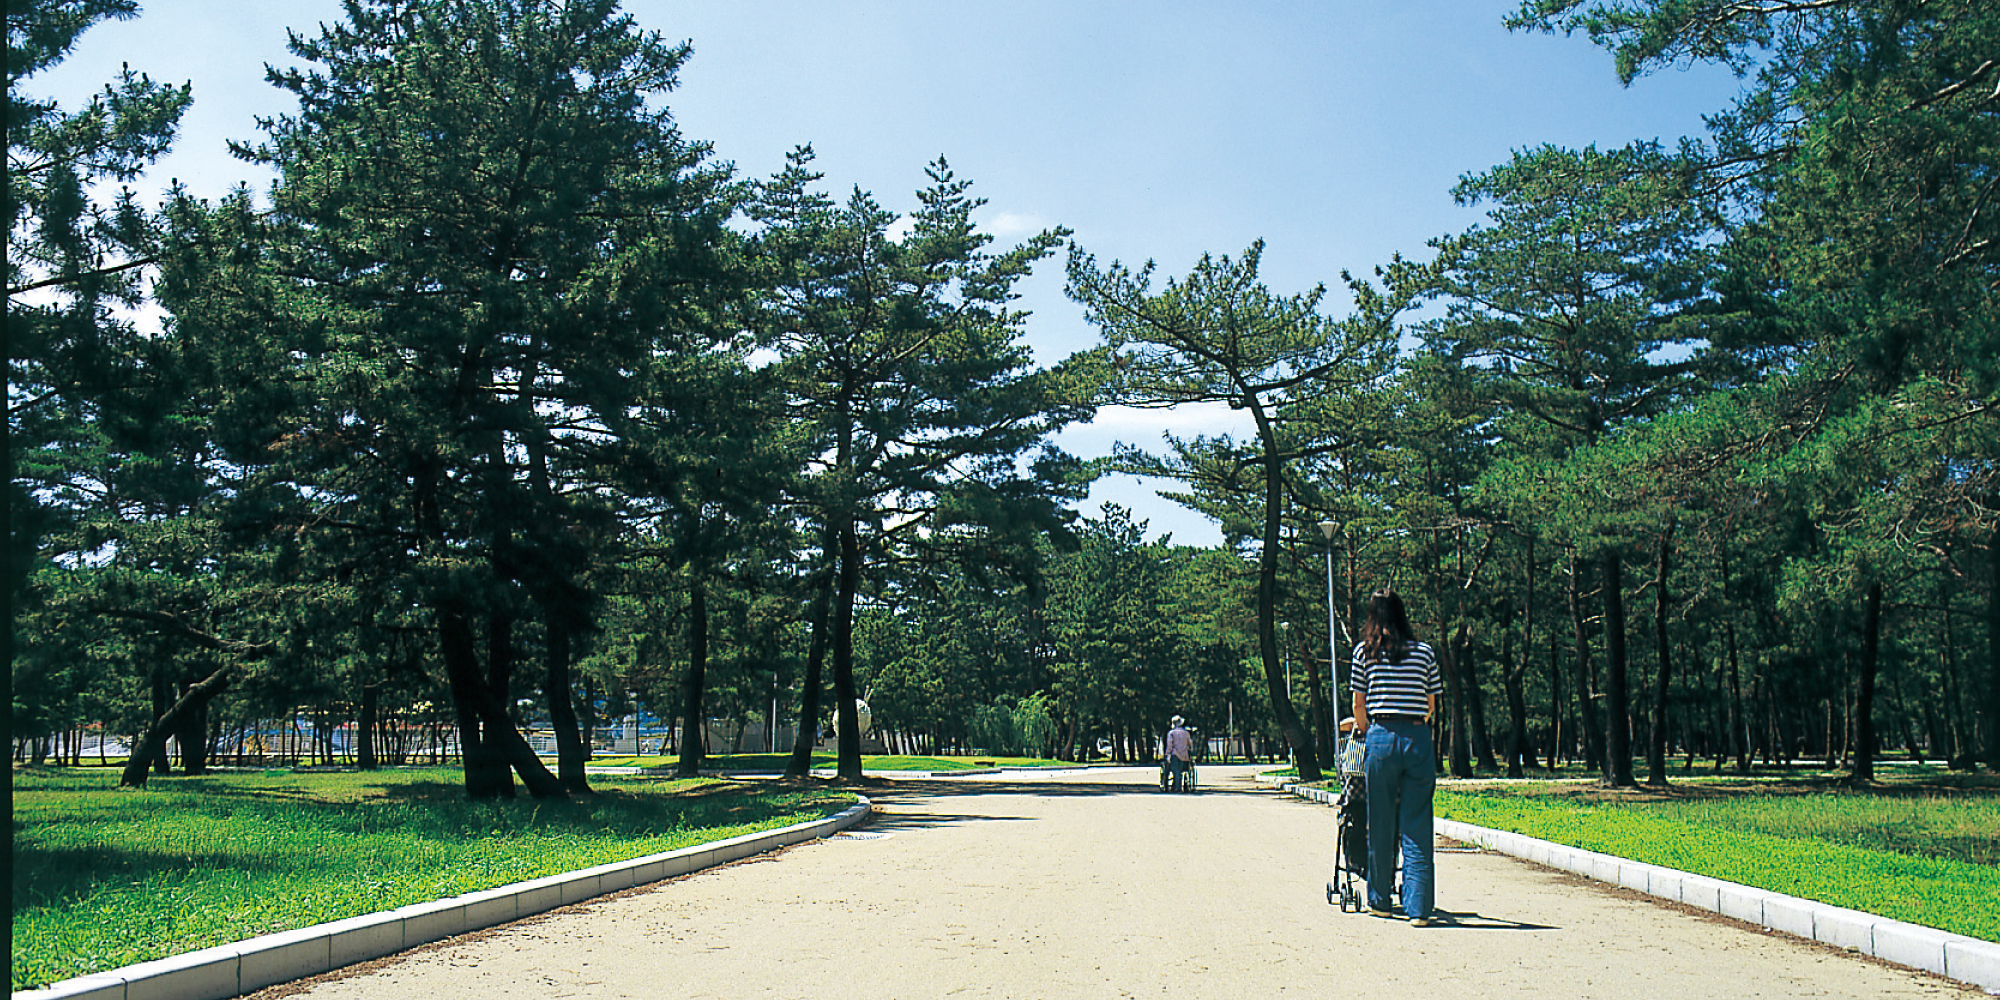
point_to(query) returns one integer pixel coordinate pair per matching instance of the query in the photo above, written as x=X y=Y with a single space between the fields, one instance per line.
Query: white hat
x=1177 y=720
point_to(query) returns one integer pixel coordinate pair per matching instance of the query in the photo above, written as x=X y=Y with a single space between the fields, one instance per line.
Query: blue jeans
x=1402 y=773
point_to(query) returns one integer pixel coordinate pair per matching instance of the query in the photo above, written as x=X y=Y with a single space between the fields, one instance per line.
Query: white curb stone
x=1664 y=882
x=98 y=986
x=1970 y=960
x=1789 y=914
x=211 y=972
x=281 y=958
x=359 y=939
x=1845 y=928
x=1911 y=945
x=1742 y=903
x=489 y=907
x=433 y=921
x=1638 y=878
x=1702 y=891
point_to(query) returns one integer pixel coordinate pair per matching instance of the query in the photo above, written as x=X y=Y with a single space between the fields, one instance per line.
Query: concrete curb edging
x=242 y=967
x=1953 y=956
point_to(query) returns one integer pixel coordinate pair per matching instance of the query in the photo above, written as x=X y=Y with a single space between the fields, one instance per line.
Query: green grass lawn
x=1922 y=849
x=105 y=877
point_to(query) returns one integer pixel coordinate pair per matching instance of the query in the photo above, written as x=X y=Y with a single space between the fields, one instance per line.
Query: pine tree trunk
x=486 y=774
x=1864 y=699
x=1559 y=734
x=1586 y=687
x=1475 y=700
x=571 y=750
x=191 y=733
x=1962 y=727
x=1739 y=742
x=694 y=684
x=587 y=719
x=371 y=709
x=1519 y=751
x=1739 y=716
x=1993 y=650
x=1317 y=707
x=163 y=701
x=493 y=749
x=1617 y=696
x=1267 y=600
x=1656 y=744
x=807 y=737
x=153 y=744
x=1460 y=759
x=847 y=720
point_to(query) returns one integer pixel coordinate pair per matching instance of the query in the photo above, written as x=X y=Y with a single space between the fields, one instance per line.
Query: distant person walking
x=1180 y=755
x=1396 y=686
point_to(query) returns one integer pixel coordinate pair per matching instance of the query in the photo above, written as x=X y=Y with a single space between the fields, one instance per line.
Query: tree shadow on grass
x=57 y=877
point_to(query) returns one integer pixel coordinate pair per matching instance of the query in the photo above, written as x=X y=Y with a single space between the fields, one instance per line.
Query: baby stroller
x=1349 y=884
x=1167 y=781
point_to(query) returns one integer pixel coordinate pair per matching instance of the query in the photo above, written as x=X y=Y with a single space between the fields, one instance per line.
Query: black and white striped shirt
x=1399 y=688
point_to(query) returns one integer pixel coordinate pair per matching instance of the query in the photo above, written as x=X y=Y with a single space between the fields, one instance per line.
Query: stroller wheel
x=1332 y=894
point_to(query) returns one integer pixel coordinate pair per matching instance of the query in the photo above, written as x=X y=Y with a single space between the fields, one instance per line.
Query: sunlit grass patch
x=1930 y=859
x=105 y=877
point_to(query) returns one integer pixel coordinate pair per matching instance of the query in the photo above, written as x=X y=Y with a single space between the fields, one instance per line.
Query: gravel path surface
x=1073 y=884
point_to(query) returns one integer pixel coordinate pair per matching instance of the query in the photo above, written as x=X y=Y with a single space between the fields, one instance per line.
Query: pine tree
x=97 y=431
x=904 y=361
x=1571 y=305
x=484 y=227
x=1219 y=335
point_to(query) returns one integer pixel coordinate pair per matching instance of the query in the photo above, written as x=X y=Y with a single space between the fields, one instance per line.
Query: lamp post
x=1285 y=655
x=1328 y=529
x=632 y=722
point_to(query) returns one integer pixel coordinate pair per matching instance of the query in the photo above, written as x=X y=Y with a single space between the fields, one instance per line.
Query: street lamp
x=1285 y=655
x=1328 y=529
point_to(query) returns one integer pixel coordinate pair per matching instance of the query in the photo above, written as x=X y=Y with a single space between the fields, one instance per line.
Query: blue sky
x=1155 y=129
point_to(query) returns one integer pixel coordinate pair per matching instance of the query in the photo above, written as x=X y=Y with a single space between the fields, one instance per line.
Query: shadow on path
x=1472 y=920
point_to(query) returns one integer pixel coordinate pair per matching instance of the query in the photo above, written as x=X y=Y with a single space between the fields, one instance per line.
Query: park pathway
x=1094 y=884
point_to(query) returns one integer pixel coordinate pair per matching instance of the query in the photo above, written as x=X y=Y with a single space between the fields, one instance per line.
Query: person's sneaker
x=1421 y=922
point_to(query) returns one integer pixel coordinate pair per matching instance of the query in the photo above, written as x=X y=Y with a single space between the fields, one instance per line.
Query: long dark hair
x=1387 y=633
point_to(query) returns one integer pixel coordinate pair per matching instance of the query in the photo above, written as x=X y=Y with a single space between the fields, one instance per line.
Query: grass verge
x=106 y=877
x=1919 y=852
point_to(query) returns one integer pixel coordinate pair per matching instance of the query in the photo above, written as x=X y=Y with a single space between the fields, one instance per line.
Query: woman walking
x=1396 y=685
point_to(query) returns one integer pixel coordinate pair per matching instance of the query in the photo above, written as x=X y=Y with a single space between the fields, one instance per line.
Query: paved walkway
x=1097 y=885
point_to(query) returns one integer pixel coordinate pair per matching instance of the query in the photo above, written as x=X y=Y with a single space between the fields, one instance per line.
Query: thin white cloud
x=1187 y=419
x=1144 y=427
x=1013 y=225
